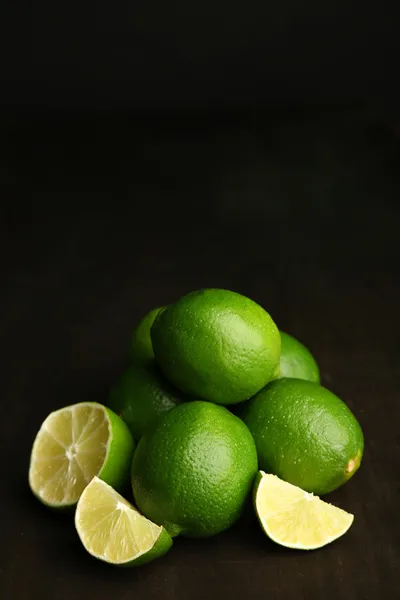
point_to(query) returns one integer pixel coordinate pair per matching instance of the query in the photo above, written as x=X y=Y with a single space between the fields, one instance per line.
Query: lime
x=73 y=445
x=294 y=518
x=141 y=346
x=296 y=361
x=216 y=345
x=113 y=530
x=304 y=434
x=277 y=372
x=193 y=470
x=141 y=395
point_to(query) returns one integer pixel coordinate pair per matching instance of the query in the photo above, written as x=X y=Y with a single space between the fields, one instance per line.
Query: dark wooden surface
x=300 y=215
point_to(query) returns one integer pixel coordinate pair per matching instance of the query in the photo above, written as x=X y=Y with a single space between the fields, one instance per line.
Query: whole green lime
x=305 y=435
x=141 y=346
x=141 y=395
x=216 y=345
x=193 y=470
x=296 y=361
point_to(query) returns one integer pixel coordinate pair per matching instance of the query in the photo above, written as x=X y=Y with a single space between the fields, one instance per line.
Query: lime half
x=73 y=445
x=294 y=518
x=113 y=530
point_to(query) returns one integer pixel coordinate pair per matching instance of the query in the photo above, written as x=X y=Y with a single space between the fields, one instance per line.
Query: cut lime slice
x=72 y=446
x=294 y=518
x=113 y=530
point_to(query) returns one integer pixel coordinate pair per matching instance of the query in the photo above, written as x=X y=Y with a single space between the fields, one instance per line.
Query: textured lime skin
x=304 y=434
x=193 y=470
x=115 y=470
x=141 y=395
x=216 y=345
x=141 y=346
x=296 y=361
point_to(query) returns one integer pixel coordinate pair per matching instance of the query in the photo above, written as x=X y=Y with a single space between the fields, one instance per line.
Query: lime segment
x=112 y=530
x=294 y=518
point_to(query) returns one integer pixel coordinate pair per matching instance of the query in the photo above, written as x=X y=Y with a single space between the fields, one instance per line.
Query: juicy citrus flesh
x=304 y=434
x=68 y=451
x=296 y=360
x=216 y=345
x=193 y=470
x=296 y=519
x=110 y=528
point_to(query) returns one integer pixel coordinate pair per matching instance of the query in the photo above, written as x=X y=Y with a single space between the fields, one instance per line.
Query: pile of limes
x=168 y=431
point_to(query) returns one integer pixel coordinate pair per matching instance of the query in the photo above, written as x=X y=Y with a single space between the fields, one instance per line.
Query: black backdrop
x=155 y=54
x=109 y=207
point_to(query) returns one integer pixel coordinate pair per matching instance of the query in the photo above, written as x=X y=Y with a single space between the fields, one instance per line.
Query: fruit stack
x=216 y=404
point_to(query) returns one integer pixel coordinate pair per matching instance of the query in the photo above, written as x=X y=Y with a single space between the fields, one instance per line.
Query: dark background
x=147 y=150
x=146 y=54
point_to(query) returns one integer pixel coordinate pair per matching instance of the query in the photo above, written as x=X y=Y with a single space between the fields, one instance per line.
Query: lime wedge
x=294 y=518
x=113 y=530
x=73 y=445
